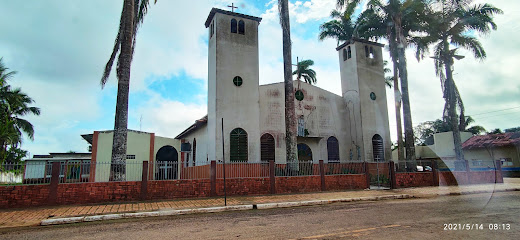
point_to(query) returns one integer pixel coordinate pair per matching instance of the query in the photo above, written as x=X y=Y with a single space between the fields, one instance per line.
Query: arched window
x=194 y=151
x=349 y=52
x=266 y=148
x=233 y=25
x=241 y=27
x=367 y=52
x=378 y=148
x=371 y=54
x=304 y=152
x=166 y=163
x=238 y=145
x=344 y=54
x=333 y=149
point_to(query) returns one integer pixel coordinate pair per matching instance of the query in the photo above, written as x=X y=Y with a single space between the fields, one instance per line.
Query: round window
x=237 y=81
x=298 y=95
x=372 y=96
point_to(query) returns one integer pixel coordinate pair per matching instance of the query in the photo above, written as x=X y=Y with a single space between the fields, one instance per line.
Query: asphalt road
x=393 y=219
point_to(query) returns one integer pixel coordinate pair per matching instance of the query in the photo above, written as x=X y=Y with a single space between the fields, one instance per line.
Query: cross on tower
x=232 y=7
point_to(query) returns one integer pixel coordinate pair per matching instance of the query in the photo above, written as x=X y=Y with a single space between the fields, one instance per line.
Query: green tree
x=495 y=131
x=132 y=17
x=340 y=28
x=515 y=129
x=290 y=113
x=304 y=71
x=394 y=20
x=14 y=105
x=451 y=27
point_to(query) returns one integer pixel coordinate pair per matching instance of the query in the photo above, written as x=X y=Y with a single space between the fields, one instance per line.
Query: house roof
x=352 y=40
x=198 y=124
x=216 y=10
x=493 y=140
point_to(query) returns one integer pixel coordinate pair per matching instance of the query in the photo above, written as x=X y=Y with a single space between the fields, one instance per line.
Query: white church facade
x=333 y=128
x=348 y=128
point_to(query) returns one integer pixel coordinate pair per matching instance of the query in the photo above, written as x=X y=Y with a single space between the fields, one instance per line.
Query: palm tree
x=341 y=27
x=303 y=71
x=14 y=104
x=455 y=24
x=132 y=17
x=394 y=21
x=290 y=114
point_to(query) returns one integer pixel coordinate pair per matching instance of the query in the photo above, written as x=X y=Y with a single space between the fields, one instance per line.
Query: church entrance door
x=305 y=159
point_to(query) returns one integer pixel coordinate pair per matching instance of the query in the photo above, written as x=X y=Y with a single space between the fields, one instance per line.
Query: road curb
x=322 y=202
x=58 y=221
x=468 y=192
x=159 y=213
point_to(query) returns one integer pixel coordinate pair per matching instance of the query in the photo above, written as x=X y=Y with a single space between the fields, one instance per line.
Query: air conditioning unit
x=185 y=147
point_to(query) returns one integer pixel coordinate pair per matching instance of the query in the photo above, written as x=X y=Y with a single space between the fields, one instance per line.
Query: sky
x=59 y=49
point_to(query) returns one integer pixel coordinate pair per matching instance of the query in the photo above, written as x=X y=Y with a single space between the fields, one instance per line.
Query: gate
x=379 y=174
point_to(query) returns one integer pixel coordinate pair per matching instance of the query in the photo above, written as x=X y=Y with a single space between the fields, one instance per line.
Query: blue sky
x=59 y=49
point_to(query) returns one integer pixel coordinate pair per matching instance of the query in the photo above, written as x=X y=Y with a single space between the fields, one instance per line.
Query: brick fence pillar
x=55 y=180
x=435 y=173
x=468 y=171
x=367 y=174
x=322 y=175
x=144 y=181
x=213 y=178
x=499 y=177
x=393 y=180
x=272 y=178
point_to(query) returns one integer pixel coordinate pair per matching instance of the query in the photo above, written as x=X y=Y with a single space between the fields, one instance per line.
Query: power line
x=494 y=111
x=484 y=117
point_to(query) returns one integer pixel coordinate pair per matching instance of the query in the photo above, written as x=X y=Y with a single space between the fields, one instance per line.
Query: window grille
x=267 y=147
x=333 y=149
x=241 y=27
x=238 y=145
x=233 y=25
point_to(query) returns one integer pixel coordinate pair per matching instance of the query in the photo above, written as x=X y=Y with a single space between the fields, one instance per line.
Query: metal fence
x=296 y=169
x=343 y=168
x=24 y=173
x=414 y=166
x=243 y=170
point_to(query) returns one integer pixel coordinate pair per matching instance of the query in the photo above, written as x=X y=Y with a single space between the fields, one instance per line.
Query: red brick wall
x=483 y=177
x=415 y=179
x=341 y=182
x=168 y=189
x=78 y=193
x=22 y=196
x=244 y=186
x=298 y=184
x=452 y=178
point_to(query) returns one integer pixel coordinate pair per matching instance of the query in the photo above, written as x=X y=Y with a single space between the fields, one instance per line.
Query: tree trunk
x=290 y=114
x=118 y=166
x=452 y=111
x=408 y=126
x=397 y=99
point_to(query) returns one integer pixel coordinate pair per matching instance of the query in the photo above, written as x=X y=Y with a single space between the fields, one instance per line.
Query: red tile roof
x=493 y=140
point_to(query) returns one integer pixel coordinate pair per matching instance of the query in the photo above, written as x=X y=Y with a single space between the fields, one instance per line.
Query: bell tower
x=363 y=88
x=233 y=78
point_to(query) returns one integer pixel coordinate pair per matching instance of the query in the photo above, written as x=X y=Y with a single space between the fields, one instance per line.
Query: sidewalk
x=34 y=216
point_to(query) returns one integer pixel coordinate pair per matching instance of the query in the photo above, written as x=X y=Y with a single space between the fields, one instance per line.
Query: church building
x=251 y=117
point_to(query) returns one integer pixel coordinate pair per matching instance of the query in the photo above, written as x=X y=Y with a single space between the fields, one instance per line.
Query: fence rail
x=132 y=170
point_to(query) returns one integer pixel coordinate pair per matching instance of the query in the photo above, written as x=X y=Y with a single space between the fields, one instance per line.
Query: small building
x=504 y=147
x=74 y=167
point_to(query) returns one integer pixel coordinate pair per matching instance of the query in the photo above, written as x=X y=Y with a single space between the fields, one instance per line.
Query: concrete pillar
x=144 y=181
x=499 y=176
x=322 y=175
x=393 y=180
x=272 y=178
x=55 y=180
x=213 y=178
